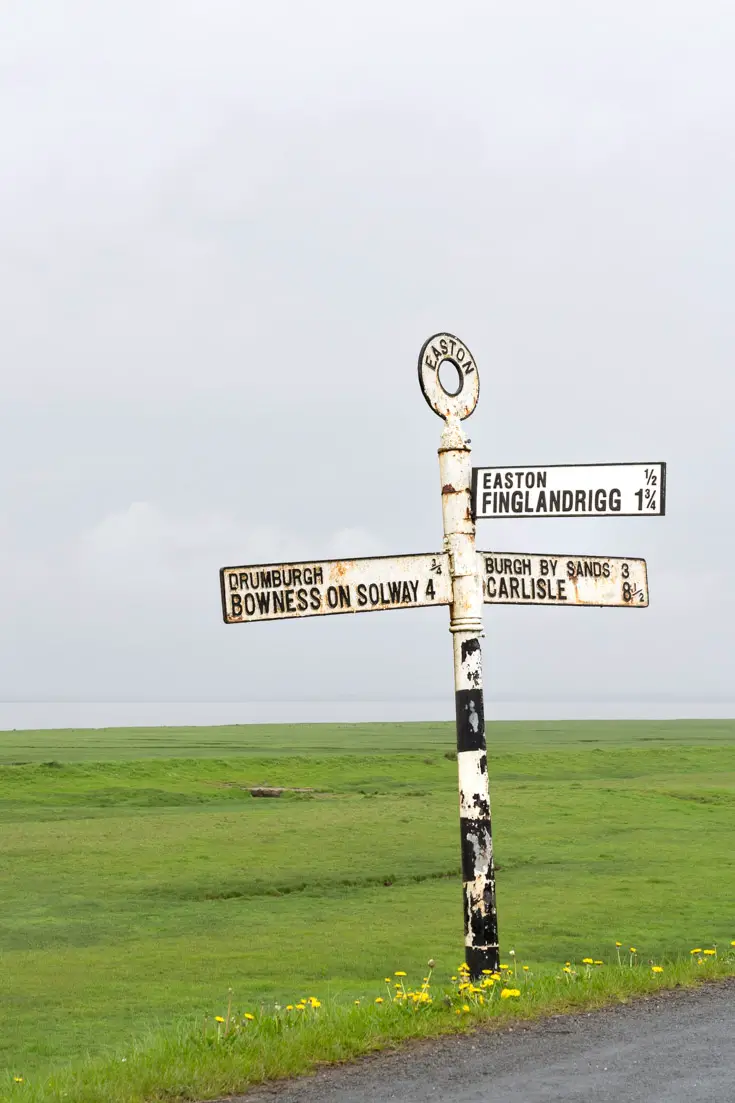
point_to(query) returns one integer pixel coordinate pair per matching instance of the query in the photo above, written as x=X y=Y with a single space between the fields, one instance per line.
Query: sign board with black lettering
x=280 y=591
x=522 y=579
x=571 y=490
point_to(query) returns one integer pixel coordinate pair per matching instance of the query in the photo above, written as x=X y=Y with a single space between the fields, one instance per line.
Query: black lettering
x=600 y=500
x=264 y=601
x=517 y=501
x=374 y=594
x=579 y=501
x=492 y=587
x=279 y=604
x=332 y=597
x=502 y=586
x=605 y=570
x=414 y=589
x=235 y=583
x=296 y=576
x=361 y=594
x=514 y=587
x=544 y=566
x=508 y=480
x=395 y=592
x=249 y=604
x=570 y=568
x=290 y=607
x=301 y=597
x=486 y=500
x=235 y=605
x=567 y=501
x=443 y=345
x=345 y=601
x=541 y=588
x=430 y=592
x=265 y=580
x=316 y=597
x=541 y=478
x=541 y=502
x=560 y=590
x=554 y=501
x=614 y=502
x=504 y=503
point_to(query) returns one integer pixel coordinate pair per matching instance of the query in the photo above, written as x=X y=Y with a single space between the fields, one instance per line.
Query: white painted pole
x=478 y=874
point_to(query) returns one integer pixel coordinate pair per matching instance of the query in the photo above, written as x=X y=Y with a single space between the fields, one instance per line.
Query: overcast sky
x=226 y=229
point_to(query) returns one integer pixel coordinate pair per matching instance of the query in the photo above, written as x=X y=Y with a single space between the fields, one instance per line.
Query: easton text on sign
x=279 y=591
x=521 y=579
x=573 y=490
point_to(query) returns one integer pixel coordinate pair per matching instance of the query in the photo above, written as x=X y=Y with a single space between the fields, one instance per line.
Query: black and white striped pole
x=454 y=402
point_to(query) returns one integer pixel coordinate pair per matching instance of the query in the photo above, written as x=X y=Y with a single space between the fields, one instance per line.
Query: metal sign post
x=464 y=579
x=465 y=624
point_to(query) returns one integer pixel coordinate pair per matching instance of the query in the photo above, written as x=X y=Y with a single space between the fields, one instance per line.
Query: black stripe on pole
x=470 y=720
x=477 y=840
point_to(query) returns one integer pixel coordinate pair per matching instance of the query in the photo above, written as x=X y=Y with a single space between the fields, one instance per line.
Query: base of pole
x=482 y=958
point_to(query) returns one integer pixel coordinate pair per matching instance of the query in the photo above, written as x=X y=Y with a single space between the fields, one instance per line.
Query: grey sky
x=226 y=229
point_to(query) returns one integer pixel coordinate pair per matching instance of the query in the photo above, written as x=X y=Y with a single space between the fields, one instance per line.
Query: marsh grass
x=229 y=1052
x=136 y=889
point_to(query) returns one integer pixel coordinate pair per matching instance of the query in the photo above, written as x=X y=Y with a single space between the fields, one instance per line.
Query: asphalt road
x=676 y=1047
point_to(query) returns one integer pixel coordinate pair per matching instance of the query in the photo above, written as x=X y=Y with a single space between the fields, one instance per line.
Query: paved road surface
x=676 y=1047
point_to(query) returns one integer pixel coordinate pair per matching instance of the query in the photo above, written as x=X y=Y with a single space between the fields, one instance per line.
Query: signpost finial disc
x=445 y=401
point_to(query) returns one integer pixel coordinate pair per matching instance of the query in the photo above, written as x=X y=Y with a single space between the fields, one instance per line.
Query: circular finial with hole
x=448 y=376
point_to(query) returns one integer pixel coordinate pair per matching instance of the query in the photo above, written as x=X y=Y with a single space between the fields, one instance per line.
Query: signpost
x=576 y=490
x=279 y=591
x=464 y=579
x=522 y=579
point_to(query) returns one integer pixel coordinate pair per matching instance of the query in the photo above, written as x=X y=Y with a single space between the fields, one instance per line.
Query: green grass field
x=140 y=879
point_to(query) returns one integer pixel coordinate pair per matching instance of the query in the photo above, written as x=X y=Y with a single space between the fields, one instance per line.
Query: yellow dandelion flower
x=357 y=1003
x=379 y=999
x=487 y=972
x=457 y=1012
x=399 y=973
x=20 y=1080
x=657 y=969
x=710 y=953
x=387 y=980
x=508 y=992
x=696 y=950
x=465 y=1007
x=289 y=1007
x=598 y=962
x=218 y=1019
x=587 y=961
x=618 y=944
x=315 y=1003
x=733 y=942
x=567 y=963
x=249 y=1017
x=633 y=950
x=525 y=968
x=302 y=1006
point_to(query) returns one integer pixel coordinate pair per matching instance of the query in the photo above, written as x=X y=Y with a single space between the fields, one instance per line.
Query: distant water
x=25 y=715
